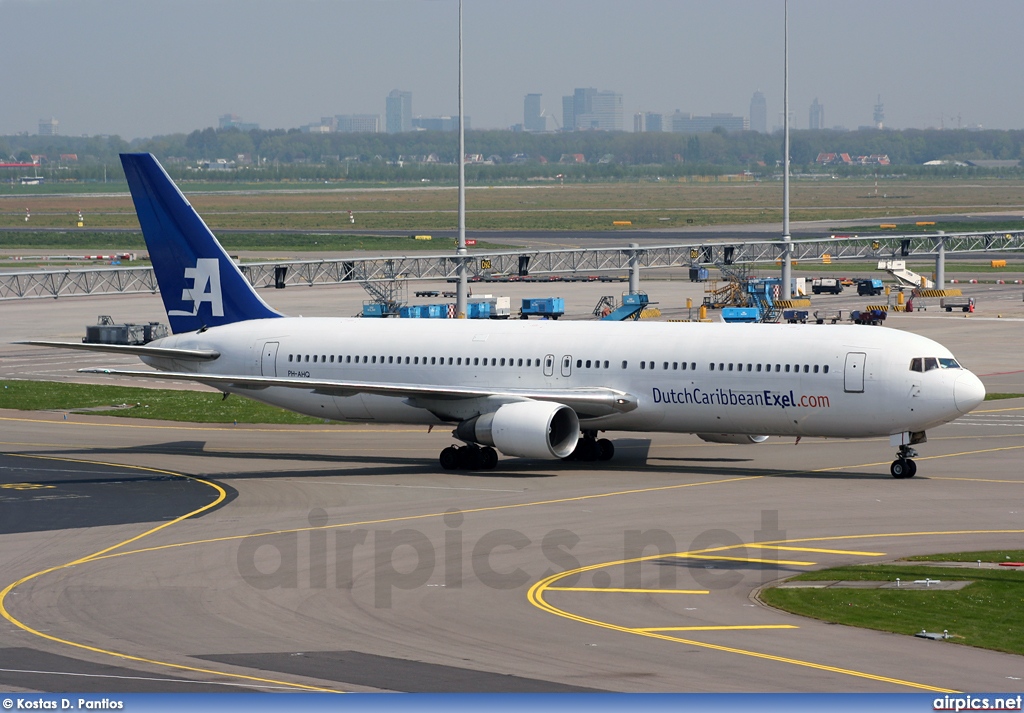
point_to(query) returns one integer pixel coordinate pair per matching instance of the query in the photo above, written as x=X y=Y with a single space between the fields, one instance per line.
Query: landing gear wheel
x=470 y=458
x=449 y=458
x=488 y=458
x=605 y=449
x=903 y=468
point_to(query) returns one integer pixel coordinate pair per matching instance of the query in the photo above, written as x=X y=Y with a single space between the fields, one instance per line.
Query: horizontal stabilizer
x=133 y=349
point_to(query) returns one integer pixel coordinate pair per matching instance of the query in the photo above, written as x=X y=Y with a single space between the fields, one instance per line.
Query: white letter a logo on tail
x=205 y=278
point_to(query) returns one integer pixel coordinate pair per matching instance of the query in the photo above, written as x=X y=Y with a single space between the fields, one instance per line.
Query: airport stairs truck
x=898 y=269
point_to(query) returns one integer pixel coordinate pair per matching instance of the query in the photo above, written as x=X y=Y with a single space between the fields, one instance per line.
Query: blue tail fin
x=200 y=285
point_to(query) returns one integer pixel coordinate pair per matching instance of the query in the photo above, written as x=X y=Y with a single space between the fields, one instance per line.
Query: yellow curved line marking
x=621 y=590
x=536 y=597
x=719 y=628
x=818 y=550
x=101 y=554
x=791 y=563
x=427 y=516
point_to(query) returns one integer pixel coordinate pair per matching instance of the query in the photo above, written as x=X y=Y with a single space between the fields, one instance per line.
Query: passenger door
x=853 y=376
x=268 y=362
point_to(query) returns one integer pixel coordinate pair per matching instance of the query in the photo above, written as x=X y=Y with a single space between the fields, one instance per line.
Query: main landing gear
x=903 y=466
x=591 y=448
x=468 y=457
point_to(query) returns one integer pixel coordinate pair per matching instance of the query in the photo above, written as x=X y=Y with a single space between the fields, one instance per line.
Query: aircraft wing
x=588 y=403
x=133 y=349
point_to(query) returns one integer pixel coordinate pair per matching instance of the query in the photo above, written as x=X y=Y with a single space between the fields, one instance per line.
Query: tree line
x=296 y=155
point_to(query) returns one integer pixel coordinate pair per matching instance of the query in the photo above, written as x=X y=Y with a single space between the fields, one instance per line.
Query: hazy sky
x=147 y=67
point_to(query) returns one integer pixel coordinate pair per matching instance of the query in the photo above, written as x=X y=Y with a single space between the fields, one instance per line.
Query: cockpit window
x=948 y=364
x=917 y=364
x=930 y=363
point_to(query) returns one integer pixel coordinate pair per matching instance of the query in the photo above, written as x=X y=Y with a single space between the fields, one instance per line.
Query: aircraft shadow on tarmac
x=632 y=455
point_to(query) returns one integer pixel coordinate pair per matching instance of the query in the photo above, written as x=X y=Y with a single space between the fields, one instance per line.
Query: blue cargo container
x=373 y=309
x=478 y=310
x=437 y=311
x=741 y=314
x=410 y=311
x=553 y=307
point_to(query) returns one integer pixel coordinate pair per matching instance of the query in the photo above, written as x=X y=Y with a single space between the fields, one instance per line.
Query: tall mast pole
x=462 y=294
x=787 y=254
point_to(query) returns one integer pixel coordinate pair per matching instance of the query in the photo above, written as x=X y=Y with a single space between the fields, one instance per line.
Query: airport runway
x=340 y=558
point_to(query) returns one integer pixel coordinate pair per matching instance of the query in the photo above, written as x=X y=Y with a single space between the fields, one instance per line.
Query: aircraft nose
x=968 y=392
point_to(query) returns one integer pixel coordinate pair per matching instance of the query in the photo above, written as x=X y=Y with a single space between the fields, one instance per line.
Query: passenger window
x=502 y=361
x=605 y=363
x=307 y=358
x=476 y=361
x=625 y=364
x=815 y=368
x=806 y=368
x=730 y=366
x=759 y=367
x=825 y=368
x=684 y=366
x=711 y=366
x=579 y=363
x=520 y=363
x=643 y=365
x=787 y=368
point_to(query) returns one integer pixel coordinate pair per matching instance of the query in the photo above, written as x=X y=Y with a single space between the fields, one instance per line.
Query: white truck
x=826 y=284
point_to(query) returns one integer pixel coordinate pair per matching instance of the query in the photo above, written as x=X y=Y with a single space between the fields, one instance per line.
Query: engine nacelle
x=529 y=429
x=738 y=438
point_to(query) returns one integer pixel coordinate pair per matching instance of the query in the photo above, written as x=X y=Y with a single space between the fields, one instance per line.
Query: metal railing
x=585 y=261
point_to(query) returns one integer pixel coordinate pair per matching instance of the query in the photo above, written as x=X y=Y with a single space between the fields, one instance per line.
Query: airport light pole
x=462 y=292
x=787 y=239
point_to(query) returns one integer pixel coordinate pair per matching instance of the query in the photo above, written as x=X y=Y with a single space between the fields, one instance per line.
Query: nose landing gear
x=903 y=466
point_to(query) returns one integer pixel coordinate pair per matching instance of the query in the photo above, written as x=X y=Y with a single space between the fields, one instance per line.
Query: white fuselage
x=799 y=380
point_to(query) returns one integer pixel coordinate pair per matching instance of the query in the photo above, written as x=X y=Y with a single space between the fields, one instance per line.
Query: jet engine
x=739 y=438
x=529 y=429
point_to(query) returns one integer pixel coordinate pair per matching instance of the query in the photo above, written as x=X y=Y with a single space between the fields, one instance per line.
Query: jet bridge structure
x=518 y=263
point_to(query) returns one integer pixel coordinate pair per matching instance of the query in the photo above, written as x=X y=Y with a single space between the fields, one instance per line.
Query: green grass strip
x=986 y=614
x=134 y=402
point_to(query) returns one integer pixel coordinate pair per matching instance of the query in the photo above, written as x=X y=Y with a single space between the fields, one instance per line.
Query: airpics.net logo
x=205 y=277
x=501 y=559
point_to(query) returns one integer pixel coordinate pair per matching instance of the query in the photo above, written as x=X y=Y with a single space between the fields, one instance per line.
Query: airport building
x=437 y=123
x=233 y=121
x=398 y=114
x=358 y=123
x=684 y=123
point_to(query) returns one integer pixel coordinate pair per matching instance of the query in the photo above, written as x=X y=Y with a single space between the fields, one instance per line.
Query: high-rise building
x=48 y=127
x=398 y=112
x=589 y=109
x=816 y=116
x=533 y=120
x=759 y=113
x=568 y=114
x=647 y=121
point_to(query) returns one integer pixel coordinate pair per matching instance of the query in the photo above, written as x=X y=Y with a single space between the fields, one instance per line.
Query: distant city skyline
x=122 y=67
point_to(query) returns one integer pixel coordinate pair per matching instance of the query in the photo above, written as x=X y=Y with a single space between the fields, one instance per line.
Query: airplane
x=531 y=389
